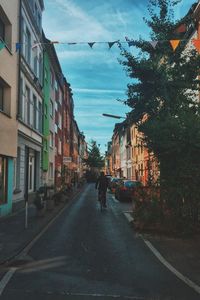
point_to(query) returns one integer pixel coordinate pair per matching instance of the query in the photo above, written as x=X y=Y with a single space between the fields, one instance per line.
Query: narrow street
x=87 y=254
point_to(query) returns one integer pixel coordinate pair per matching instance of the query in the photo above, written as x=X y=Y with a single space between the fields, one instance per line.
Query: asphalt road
x=89 y=254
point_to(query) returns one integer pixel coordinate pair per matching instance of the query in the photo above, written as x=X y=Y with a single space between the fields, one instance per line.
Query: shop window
x=3 y=179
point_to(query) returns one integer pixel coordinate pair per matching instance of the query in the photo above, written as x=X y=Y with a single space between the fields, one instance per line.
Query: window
x=21 y=99
x=27 y=105
x=40 y=117
x=59 y=146
x=31 y=108
x=5 y=28
x=40 y=68
x=18 y=173
x=34 y=112
x=52 y=79
x=45 y=74
x=45 y=110
x=51 y=170
x=31 y=177
x=35 y=60
x=51 y=108
x=1 y=97
x=59 y=121
x=5 y=97
x=36 y=11
x=28 y=46
x=39 y=20
x=2 y=30
x=45 y=145
x=3 y=179
x=51 y=140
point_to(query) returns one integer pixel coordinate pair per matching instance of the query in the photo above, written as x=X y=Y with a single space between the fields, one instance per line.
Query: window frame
x=4 y=165
x=1 y=97
x=2 y=37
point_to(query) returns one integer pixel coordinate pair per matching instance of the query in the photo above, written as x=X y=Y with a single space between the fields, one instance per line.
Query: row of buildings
x=126 y=154
x=40 y=141
x=127 y=157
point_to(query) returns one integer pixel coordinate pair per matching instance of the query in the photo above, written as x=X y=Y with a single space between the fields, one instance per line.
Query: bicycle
x=102 y=200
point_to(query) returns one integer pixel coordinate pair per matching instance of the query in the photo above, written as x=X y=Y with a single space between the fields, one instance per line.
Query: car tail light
x=123 y=188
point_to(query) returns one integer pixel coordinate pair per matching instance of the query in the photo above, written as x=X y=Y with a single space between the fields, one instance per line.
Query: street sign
x=67 y=159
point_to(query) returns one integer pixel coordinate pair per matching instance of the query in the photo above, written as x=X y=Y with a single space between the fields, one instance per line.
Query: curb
x=29 y=241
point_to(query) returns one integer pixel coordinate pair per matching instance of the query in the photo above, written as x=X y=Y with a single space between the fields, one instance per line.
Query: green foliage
x=94 y=160
x=165 y=87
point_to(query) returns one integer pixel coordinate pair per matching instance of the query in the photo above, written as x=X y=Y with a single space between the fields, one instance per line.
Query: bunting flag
x=17 y=47
x=2 y=45
x=174 y=44
x=91 y=44
x=196 y=43
x=154 y=44
x=181 y=29
x=110 y=44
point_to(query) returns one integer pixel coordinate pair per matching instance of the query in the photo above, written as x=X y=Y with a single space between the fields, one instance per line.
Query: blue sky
x=96 y=77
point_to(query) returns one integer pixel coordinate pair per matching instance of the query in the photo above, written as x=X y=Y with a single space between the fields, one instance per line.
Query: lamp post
x=113 y=116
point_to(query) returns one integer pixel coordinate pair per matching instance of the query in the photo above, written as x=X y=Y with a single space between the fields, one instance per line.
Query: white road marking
x=128 y=216
x=104 y=295
x=115 y=199
x=4 y=281
x=186 y=280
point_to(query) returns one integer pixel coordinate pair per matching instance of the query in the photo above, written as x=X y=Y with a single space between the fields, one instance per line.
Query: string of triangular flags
x=174 y=43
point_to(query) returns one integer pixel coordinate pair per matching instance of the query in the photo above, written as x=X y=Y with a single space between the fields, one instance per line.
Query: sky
x=96 y=77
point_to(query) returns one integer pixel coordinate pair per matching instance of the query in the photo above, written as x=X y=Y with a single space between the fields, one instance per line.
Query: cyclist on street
x=102 y=185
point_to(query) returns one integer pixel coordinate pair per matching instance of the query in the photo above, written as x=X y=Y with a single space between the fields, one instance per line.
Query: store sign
x=67 y=160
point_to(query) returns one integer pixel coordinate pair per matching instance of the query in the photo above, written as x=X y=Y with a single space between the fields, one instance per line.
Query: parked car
x=115 y=181
x=125 y=189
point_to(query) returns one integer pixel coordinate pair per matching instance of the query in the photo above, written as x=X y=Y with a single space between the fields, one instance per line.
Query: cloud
x=79 y=22
x=98 y=91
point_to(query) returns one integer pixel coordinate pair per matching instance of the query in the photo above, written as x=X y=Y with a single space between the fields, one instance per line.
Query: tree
x=94 y=160
x=165 y=88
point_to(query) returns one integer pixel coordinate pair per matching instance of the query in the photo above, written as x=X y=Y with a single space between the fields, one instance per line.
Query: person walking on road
x=102 y=185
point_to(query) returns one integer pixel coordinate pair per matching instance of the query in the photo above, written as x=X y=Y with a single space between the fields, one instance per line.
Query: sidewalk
x=13 y=235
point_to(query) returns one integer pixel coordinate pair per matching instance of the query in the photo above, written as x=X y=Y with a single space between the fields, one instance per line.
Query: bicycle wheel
x=101 y=201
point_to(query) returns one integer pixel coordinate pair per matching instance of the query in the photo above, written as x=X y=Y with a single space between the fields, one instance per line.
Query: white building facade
x=30 y=102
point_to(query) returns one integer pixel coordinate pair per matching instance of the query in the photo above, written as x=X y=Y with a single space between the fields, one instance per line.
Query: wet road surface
x=89 y=254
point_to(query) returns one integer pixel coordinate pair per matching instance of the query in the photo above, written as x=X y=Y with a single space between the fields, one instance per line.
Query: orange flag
x=196 y=43
x=181 y=29
x=174 y=44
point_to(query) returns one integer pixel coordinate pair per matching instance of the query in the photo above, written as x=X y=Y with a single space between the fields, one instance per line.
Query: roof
x=41 y=4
